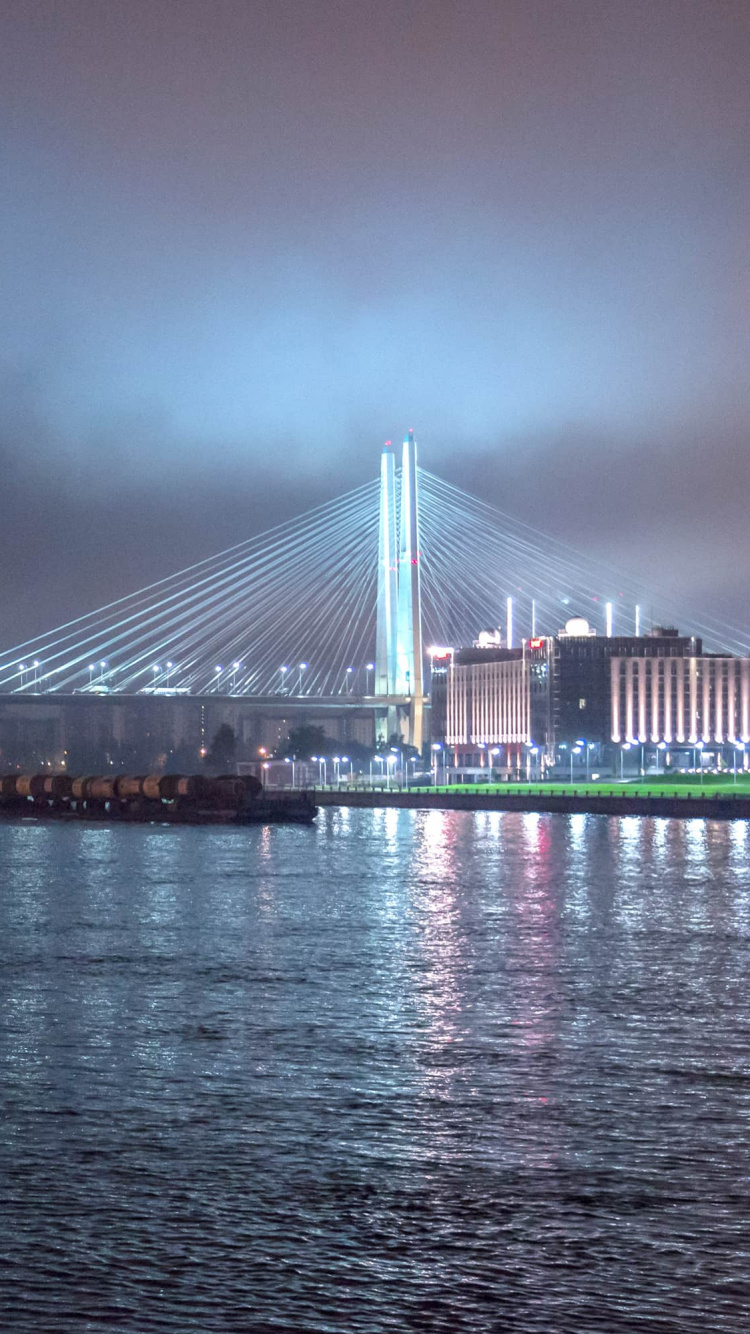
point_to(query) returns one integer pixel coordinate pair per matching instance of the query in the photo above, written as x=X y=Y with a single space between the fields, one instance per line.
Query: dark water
x=404 y=1071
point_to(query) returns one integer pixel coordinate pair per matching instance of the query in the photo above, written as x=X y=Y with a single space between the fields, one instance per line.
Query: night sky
x=244 y=242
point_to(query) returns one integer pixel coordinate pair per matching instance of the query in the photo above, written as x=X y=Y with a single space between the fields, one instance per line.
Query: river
x=403 y=1070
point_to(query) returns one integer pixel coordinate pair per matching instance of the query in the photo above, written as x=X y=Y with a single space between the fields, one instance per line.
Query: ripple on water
x=403 y=1071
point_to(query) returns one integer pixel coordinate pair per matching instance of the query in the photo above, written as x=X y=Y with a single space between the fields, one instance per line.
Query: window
x=582 y=704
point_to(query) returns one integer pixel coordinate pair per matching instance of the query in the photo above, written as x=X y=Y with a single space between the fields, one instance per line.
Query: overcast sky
x=242 y=243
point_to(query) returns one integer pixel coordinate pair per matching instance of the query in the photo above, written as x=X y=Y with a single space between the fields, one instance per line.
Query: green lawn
x=652 y=787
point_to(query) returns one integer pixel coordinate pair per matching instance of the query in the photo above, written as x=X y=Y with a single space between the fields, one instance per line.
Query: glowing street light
x=625 y=746
x=370 y=685
x=348 y=679
x=699 y=748
x=283 y=671
x=302 y=668
x=575 y=750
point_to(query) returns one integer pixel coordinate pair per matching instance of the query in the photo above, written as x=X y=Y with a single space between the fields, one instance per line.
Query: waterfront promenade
x=723 y=801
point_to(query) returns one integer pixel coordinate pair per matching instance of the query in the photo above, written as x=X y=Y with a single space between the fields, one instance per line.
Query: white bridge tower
x=399 y=666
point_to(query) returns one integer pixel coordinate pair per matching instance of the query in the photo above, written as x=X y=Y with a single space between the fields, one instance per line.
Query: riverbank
x=720 y=805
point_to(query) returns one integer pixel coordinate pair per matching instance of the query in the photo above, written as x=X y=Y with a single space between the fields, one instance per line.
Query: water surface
x=446 y=1071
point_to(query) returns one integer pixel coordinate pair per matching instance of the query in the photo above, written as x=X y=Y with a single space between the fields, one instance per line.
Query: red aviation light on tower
x=536 y=643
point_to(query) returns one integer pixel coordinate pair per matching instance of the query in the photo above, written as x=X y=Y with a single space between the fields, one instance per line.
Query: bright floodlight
x=217 y=669
x=371 y=666
x=170 y=664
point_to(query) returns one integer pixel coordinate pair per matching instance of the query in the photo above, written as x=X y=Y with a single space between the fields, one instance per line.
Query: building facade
x=681 y=700
x=586 y=694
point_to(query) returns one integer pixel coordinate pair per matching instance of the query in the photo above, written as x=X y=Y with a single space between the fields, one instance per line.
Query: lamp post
x=348 y=679
x=738 y=745
x=495 y=750
x=302 y=668
x=235 y=668
x=336 y=763
x=217 y=675
x=91 y=672
x=699 y=748
x=283 y=671
x=370 y=678
x=345 y=760
x=102 y=665
x=575 y=750
x=661 y=747
x=435 y=749
x=625 y=746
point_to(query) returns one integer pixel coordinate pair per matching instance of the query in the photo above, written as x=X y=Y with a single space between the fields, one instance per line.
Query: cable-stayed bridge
x=336 y=605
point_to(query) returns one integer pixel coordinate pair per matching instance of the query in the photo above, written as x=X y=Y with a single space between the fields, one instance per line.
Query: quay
x=721 y=805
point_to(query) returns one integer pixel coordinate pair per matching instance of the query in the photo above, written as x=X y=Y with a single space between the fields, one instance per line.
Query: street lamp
x=435 y=748
x=302 y=668
x=91 y=672
x=283 y=671
x=370 y=682
x=217 y=675
x=738 y=745
x=576 y=750
x=235 y=668
x=699 y=748
x=661 y=746
x=625 y=746
x=349 y=673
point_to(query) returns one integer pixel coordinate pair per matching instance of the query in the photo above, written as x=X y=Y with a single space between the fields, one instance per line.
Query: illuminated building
x=493 y=705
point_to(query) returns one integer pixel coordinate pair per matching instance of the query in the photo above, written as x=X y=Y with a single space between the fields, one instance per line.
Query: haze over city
x=243 y=244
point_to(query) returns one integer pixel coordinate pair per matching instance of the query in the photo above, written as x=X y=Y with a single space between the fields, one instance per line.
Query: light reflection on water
x=405 y=1070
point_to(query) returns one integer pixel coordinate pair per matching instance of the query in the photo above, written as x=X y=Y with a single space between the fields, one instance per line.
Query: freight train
x=163 y=797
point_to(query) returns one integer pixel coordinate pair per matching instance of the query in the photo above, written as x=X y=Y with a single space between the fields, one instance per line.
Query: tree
x=305 y=741
x=221 y=756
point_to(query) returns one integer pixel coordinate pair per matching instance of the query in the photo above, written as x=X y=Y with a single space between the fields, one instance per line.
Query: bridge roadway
x=276 y=700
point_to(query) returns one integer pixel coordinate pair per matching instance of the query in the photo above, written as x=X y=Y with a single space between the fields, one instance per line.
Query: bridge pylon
x=399 y=666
